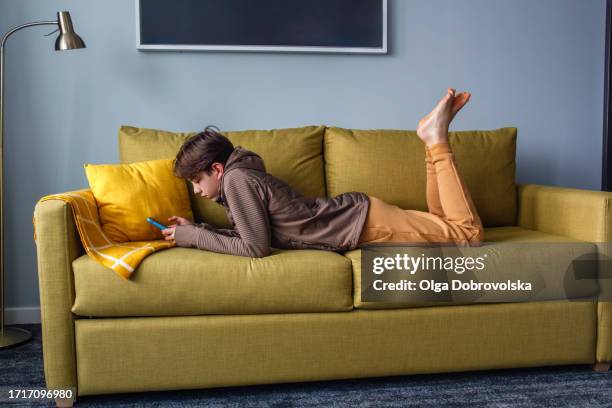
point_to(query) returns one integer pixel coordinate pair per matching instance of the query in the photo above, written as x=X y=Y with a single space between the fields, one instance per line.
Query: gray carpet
x=568 y=386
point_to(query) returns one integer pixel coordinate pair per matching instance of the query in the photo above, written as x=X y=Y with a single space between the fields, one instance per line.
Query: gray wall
x=536 y=65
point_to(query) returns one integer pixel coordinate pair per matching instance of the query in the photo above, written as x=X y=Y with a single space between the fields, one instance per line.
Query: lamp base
x=13 y=336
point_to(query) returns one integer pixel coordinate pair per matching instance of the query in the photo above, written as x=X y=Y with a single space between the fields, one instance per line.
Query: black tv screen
x=263 y=25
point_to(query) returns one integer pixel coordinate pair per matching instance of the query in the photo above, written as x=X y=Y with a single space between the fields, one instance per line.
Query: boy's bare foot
x=433 y=128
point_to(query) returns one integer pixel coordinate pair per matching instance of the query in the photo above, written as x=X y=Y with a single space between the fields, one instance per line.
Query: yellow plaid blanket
x=121 y=257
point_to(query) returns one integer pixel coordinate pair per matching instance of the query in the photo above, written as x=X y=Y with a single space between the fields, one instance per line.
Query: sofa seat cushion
x=187 y=281
x=512 y=253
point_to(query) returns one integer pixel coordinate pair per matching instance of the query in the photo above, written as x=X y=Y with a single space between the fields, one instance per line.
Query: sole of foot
x=433 y=128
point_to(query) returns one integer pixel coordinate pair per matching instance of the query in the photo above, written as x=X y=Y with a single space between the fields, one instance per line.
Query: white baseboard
x=21 y=315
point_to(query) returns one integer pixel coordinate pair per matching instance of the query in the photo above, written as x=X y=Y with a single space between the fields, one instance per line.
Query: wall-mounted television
x=341 y=26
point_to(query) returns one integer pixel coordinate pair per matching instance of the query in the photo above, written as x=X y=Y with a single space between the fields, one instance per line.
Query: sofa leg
x=601 y=367
x=64 y=402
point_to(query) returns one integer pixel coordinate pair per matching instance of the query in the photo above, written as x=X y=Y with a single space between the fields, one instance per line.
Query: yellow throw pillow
x=126 y=194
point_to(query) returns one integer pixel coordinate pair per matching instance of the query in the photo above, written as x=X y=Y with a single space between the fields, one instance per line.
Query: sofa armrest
x=579 y=214
x=57 y=245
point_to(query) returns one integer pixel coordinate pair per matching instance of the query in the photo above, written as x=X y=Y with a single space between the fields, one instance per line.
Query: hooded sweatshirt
x=266 y=212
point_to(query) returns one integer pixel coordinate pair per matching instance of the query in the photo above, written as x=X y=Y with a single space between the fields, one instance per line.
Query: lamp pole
x=67 y=40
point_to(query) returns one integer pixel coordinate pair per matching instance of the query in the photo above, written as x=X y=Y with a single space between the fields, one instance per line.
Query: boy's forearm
x=230 y=232
x=212 y=240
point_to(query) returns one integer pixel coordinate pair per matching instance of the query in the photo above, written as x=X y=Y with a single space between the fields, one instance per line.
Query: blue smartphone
x=156 y=224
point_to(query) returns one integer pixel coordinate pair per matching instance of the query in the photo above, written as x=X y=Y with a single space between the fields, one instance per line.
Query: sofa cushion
x=187 y=281
x=390 y=164
x=513 y=253
x=293 y=155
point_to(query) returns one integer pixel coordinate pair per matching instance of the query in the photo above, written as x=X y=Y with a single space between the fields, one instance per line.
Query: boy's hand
x=180 y=220
x=169 y=233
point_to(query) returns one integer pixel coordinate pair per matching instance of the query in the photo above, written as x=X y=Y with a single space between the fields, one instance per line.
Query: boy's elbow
x=259 y=252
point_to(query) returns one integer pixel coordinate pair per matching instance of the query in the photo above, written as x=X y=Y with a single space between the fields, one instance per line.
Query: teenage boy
x=265 y=212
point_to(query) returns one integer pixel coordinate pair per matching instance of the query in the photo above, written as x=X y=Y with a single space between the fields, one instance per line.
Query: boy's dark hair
x=200 y=151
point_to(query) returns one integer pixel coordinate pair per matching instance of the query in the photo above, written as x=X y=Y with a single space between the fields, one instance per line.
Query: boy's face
x=207 y=185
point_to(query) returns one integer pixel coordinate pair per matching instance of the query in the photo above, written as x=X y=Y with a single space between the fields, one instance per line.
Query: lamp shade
x=67 y=39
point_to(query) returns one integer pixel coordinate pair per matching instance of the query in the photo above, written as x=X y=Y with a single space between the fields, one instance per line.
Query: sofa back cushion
x=390 y=164
x=293 y=155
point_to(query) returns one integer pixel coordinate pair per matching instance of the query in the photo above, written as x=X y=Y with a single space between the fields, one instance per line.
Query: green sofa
x=195 y=319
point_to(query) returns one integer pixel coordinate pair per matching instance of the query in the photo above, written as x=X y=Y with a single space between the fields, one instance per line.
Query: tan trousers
x=452 y=216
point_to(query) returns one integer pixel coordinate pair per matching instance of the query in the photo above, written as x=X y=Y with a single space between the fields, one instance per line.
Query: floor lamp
x=67 y=40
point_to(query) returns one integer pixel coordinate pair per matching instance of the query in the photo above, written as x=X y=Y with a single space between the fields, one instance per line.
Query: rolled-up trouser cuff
x=438 y=148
